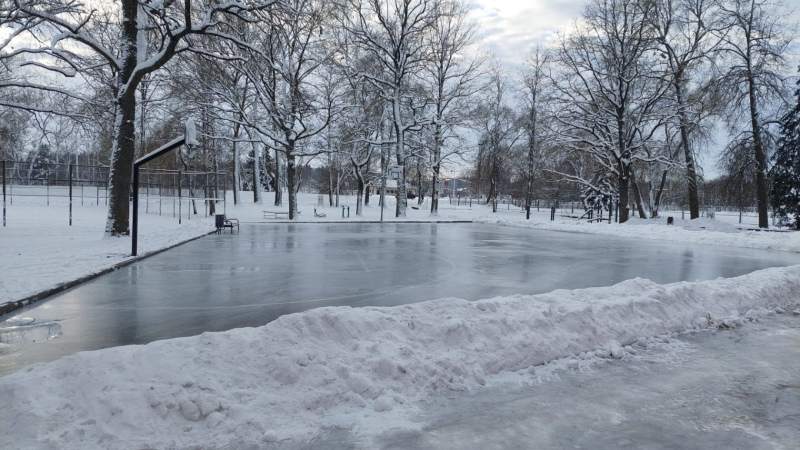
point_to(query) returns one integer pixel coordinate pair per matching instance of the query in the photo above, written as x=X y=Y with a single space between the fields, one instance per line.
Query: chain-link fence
x=161 y=192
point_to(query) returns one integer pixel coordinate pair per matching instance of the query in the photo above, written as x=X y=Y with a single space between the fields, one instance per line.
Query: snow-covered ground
x=360 y=369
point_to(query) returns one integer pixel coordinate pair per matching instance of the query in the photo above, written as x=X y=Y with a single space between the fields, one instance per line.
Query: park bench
x=316 y=214
x=276 y=214
x=222 y=221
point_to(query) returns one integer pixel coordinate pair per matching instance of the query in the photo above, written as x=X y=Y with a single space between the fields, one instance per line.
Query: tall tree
x=499 y=130
x=756 y=41
x=685 y=33
x=785 y=172
x=137 y=38
x=294 y=86
x=453 y=78
x=535 y=76
x=393 y=32
x=610 y=92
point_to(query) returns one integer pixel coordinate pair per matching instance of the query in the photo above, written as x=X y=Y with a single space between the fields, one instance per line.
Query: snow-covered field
x=360 y=369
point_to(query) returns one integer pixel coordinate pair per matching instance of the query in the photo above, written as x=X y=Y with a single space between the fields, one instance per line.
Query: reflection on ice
x=18 y=331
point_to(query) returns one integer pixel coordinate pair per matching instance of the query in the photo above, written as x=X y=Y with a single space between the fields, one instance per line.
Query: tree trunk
x=622 y=186
x=359 y=192
x=257 y=197
x=659 y=193
x=761 y=159
x=367 y=187
x=119 y=177
x=691 y=174
x=330 y=182
x=338 y=184
x=435 y=191
x=278 y=187
x=402 y=198
x=236 y=168
x=492 y=182
x=637 y=196
x=291 y=182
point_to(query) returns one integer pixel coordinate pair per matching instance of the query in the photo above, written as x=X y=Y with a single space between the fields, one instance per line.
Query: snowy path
x=733 y=389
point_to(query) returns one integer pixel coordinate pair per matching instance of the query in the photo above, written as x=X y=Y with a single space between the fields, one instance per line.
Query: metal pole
x=383 y=183
x=180 y=204
x=4 y=192
x=70 y=194
x=135 y=230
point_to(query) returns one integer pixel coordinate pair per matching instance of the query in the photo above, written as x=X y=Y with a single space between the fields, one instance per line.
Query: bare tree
x=136 y=39
x=393 y=32
x=756 y=41
x=454 y=77
x=686 y=35
x=535 y=78
x=610 y=92
x=499 y=130
x=294 y=85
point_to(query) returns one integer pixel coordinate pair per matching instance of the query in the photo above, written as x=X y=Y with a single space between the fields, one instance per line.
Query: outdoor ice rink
x=221 y=282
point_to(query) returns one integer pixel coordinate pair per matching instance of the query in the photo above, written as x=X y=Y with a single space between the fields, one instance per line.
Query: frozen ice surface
x=221 y=282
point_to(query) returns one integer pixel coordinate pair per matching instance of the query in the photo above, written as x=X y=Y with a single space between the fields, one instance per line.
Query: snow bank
x=326 y=366
x=700 y=231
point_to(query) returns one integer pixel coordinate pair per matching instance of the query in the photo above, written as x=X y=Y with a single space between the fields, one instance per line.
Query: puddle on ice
x=19 y=331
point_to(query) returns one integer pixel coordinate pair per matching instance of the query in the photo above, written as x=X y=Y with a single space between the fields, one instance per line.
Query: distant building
x=391 y=188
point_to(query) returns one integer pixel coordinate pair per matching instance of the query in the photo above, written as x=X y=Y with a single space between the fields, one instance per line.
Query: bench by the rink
x=276 y=214
x=222 y=222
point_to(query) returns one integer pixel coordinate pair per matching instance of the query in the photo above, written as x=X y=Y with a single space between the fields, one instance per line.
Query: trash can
x=219 y=222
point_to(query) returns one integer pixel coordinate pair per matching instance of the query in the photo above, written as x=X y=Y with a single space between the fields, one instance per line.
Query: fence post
x=70 y=194
x=180 y=204
x=4 y=192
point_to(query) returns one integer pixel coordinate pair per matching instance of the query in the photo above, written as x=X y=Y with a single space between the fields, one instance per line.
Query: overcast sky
x=511 y=27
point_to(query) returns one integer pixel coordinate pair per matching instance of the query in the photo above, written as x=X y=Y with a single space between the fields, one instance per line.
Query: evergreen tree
x=42 y=165
x=785 y=173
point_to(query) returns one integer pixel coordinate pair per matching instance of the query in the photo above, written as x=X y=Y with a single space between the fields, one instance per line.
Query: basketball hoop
x=190 y=137
x=395 y=172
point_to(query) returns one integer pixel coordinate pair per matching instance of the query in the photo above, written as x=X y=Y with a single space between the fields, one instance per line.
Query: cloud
x=511 y=27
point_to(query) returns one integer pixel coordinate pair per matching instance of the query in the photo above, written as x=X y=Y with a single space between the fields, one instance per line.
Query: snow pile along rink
x=700 y=231
x=330 y=365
